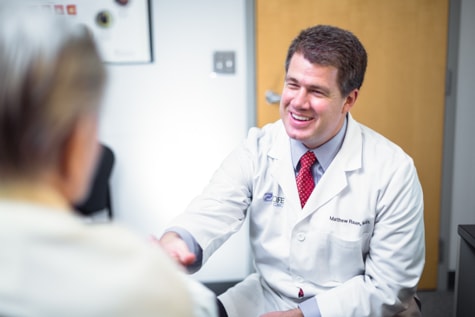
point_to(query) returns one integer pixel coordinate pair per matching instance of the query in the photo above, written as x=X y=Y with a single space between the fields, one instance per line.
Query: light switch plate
x=224 y=62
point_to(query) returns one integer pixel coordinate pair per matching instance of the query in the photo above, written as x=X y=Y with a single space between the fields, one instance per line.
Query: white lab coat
x=357 y=247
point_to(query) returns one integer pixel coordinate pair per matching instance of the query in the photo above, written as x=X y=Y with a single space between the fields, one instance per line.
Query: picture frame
x=121 y=28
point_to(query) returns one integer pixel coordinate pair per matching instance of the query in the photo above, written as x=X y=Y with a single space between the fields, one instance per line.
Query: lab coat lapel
x=348 y=159
x=282 y=169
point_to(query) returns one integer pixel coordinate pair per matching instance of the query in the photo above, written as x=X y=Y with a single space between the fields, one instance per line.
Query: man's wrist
x=192 y=245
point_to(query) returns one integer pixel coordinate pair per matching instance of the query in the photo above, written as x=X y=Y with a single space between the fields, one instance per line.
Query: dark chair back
x=100 y=195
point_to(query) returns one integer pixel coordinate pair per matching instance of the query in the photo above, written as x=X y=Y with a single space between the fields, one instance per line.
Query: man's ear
x=350 y=100
x=79 y=159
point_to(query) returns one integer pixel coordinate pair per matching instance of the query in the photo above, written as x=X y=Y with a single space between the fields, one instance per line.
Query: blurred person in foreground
x=52 y=263
x=351 y=242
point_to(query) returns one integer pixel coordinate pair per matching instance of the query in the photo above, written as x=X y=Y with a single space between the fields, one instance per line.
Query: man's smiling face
x=312 y=107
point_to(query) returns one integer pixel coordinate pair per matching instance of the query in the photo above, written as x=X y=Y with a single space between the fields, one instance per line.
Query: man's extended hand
x=174 y=245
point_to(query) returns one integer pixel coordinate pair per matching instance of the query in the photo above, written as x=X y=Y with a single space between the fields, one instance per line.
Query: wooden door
x=403 y=93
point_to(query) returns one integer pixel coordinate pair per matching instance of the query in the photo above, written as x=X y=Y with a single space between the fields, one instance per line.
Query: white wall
x=174 y=112
x=463 y=193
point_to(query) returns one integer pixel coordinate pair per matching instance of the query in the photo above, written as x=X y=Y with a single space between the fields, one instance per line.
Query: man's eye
x=317 y=92
x=292 y=85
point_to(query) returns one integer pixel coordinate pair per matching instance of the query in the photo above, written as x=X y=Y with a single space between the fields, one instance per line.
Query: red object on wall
x=71 y=9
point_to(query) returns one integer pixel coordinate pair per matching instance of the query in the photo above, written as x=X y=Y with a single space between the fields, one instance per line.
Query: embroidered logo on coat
x=276 y=200
x=268 y=197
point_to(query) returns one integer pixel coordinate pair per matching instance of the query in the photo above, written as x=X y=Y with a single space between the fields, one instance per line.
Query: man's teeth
x=299 y=117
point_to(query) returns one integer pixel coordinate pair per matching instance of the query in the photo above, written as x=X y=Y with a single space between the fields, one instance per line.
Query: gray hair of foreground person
x=50 y=76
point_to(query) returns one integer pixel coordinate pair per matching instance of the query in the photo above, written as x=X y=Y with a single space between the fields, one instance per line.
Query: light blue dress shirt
x=324 y=153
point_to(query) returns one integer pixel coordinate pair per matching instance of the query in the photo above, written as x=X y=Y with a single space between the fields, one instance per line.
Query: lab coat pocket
x=338 y=259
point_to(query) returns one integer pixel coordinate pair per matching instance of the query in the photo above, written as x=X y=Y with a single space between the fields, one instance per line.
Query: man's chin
x=297 y=134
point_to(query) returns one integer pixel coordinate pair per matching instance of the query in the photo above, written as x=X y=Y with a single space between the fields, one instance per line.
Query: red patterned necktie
x=305 y=182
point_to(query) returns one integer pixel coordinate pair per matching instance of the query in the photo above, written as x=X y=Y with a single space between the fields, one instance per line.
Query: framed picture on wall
x=121 y=27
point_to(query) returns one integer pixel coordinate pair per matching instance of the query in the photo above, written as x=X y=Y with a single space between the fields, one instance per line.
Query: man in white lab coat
x=356 y=247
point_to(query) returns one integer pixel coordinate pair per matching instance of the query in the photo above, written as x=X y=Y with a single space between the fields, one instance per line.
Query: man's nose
x=300 y=98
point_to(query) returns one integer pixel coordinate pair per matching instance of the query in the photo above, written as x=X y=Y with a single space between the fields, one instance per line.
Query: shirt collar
x=325 y=153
